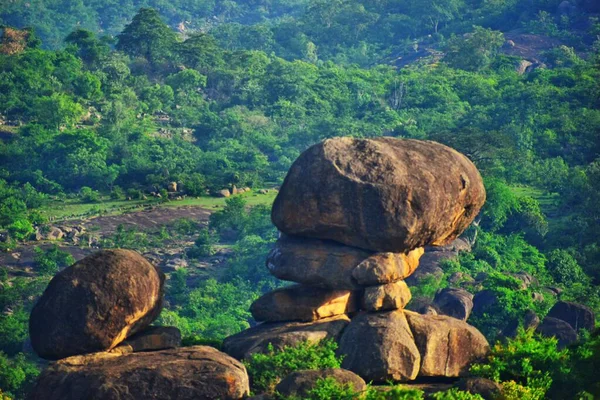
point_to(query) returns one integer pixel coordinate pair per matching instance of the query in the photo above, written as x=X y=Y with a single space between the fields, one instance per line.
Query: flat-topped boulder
x=383 y=194
x=328 y=264
x=194 y=373
x=303 y=303
x=282 y=334
x=95 y=304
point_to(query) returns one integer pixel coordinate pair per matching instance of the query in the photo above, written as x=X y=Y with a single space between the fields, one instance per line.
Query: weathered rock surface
x=383 y=268
x=303 y=303
x=95 y=304
x=456 y=303
x=447 y=345
x=561 y=330
x=577 y=315
x=391 y=296
x=281 y=334
x=380 y=347
x=154 y=338
x=197 y=372
x=382 y=194
x=299 y=383
x=328 y=264
x=486 y=388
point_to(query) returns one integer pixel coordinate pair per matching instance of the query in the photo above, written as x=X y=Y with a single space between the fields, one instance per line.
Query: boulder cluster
x=355 y=216
x=94 y=320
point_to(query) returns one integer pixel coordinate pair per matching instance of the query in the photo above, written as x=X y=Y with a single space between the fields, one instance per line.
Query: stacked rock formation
x=94 y=318
x=355 y=215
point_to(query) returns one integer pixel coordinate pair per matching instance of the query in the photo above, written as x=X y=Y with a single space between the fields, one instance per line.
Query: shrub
x=88 y=195
x=396 y=393
x=49 y=262
x=20 y=229
x=267 y=370
x=16 y=374
x=455 y=394
x=117 y=193
x=204 y=245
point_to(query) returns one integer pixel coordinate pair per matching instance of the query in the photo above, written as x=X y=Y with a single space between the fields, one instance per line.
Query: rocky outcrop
x=356 y=216
x=303 y=303
x=382 y=194
x=577 y=315
x=332 y=265
x=456 y=303
x=380 y=347
x=282 y=334
x=299 y=383
x=391 y=296
x=447 y=345
x=198 y=373
x=95 y=304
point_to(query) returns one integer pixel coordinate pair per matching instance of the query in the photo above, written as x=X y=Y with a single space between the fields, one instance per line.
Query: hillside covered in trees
x=111 y=102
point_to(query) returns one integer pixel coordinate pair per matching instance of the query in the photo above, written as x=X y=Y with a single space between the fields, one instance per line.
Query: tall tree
x=147 y=36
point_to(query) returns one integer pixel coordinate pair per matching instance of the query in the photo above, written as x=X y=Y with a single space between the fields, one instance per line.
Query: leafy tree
x=48 y=262
x=147 y=36
x=473 y=51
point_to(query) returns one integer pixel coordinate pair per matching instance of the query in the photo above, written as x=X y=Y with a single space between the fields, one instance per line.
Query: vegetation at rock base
x=104 y=103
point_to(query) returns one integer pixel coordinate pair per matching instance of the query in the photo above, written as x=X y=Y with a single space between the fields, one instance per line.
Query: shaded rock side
x=577 y=315
x=382 y=194
x=486 y=388
x=153 y=338
x=199 y=373
x=328 y=264
x=282 y=334
x=380 y=347
x=447 y=345
x=95 y=304
x=391 y=296
x=456 y=303
x=303 y=303
x=299 y=383
x=561 y=330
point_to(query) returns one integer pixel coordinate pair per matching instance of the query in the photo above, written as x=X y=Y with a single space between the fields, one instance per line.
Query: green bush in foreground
x=267 y=370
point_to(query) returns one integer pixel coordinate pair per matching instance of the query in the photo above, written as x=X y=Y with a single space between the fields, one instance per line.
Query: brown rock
x=196 y=373
x=282 y=334
x=299 y=383
x=95 y=304
x=172 y=187
x=561 y=330
x=54 y=234
x=328 y=264
x=382 y=194
x=456 y=303
x=383 y=268
x=486 y=388
x=155 y=338
x=447 y=345
x=223 y=193
x=303 y=303
x=380 y=347
x=391 y=296
x=576 y=315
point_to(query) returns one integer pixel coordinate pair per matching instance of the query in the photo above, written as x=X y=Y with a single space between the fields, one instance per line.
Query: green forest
x=108 y=102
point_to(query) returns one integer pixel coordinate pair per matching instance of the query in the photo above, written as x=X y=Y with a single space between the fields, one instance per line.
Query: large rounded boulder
x=383 y=194
x=95 y=304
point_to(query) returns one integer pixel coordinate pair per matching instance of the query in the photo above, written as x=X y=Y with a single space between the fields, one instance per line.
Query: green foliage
x=564 y=268
x=266 y=370
x=395 y=393
x=455 y=394
x=89 y=195
x=529 y=360
x=328 y=389
x=204 y=245
x=16 y=374
x=51 y=260
x=475 y=50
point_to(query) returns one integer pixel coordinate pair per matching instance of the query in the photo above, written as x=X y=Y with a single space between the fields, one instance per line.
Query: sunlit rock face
x=95 y=304
x=382 y=194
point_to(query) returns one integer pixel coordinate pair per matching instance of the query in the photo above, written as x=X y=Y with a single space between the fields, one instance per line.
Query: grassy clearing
x=73 y=208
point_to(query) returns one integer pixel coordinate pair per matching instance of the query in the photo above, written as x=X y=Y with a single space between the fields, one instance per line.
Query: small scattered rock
x=172 y=187
x=224 y=193
x=456 y=303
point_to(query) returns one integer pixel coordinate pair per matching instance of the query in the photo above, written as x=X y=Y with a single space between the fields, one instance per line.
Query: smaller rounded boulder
x=95 y=304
